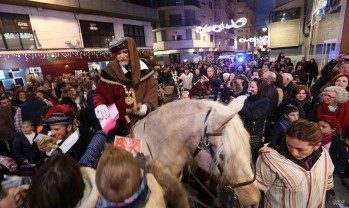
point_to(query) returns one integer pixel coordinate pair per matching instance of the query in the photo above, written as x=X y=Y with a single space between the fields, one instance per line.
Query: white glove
x=142 y=111
x=102 y=111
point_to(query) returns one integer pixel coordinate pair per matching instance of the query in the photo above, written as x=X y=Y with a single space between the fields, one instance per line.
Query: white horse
x=175 y=133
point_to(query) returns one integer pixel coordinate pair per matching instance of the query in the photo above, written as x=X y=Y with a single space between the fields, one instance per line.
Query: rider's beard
x=124 y=61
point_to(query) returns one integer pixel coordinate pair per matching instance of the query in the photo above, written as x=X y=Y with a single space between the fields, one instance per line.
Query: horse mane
x=173 y=130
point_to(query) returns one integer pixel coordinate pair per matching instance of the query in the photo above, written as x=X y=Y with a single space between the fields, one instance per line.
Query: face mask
x=332 y=108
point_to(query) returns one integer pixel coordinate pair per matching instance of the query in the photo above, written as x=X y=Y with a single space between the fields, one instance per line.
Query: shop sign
x=93 y=26
x=23 y=25
x=218 y=28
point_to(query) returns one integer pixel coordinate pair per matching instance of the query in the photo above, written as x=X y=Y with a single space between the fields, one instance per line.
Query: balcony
x=166 y=3
x=177 y=23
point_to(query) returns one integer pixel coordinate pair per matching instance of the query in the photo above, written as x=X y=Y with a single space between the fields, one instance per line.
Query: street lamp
x=264 y=29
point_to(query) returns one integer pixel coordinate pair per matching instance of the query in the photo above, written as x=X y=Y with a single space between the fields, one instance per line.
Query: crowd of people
x=297 y=122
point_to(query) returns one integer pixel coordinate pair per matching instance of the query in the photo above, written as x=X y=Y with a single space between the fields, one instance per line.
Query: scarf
x=283 y=123
x=134 y=201
x=306 y=163
x=327 y=139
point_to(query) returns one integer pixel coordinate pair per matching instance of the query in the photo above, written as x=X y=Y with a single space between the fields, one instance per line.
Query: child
x=332 y=141
x=122 y=183
x=24 y=145
x=291 y=114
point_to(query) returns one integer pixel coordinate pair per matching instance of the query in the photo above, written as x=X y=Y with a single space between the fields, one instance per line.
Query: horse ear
x=222 y=120
x=238 y=103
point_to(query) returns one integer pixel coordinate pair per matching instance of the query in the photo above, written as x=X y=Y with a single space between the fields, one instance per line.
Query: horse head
x=206 y=132
x=229 y=151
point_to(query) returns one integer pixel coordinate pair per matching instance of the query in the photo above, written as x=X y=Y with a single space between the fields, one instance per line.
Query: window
x=289 y=14
x=96 y=34
x=204 y=38
x=211 y=38
x=176 y=37
x=136 y=32
x=15 y=32
x=210 y=4
x=189 y=34
x=175 y=19
x=197 y=36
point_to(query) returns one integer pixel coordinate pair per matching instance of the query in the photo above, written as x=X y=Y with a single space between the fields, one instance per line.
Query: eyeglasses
x=329 y=96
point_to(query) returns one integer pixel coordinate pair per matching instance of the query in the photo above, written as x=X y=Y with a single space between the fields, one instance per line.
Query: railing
x=177 y=23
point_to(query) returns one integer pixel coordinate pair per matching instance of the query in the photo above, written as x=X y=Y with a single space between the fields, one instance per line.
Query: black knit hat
x=59 y=114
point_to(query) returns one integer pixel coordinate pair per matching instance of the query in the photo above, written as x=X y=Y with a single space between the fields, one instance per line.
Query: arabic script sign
x=218 y=28
x=260 y=38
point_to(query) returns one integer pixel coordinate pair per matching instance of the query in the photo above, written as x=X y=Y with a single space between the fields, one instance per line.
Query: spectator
x=25 y=150
x=257 y=74
x=40 y=96
x=291 y=114
x=212 y=81
x=289 y=65
x=305 y=66
x=224 y=90
x=20 y=98
x=335 y=103
x=265 y=67
x=61 y=183
x=255 y=112
x=289 y=85
x=187 y=79
x=300 y=98
x=7 y=128
x=30 y=110
x=120 y=180
x=243 y=81
x=333 y=143
x=68 y=137
x=235 y=88
x=67 y=98
x=197 y=77
x=313 y=71
x=299 y=163
x=281 y=64
x=279 y=86
x=302 y=74
x=328 y=72
x=281 y=56
x=340 y=80
x=272 y=95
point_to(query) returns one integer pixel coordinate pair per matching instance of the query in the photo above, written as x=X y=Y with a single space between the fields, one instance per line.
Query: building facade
x=246 y=32
x=176 y=39
x=57 y=38
x=314 y=29
x=226 y=39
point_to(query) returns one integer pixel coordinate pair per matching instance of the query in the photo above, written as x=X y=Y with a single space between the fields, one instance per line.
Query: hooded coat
x=111 y=87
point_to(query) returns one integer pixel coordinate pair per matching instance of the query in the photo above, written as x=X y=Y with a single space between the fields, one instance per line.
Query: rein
x=205 y=144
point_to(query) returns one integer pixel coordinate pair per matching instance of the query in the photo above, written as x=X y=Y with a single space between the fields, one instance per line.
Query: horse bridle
x=205 y=144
